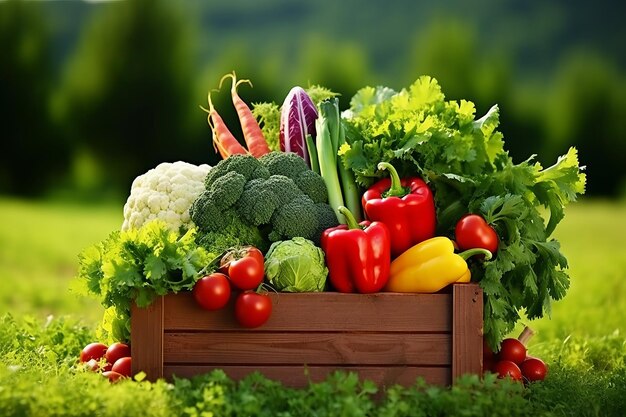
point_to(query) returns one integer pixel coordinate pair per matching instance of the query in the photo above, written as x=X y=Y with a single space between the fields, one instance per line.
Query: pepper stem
x=350 y=220
x=396 y=189
x=476 y=251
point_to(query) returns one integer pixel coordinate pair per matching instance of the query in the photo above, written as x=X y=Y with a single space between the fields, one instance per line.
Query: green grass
x=39 y=243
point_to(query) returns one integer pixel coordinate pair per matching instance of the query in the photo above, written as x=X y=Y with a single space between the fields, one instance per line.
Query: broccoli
x=226 y=190
x=283 y=188
x=205 y=214
x=246 y=165
x=299 y=217
x=288 y=164
x=257 y=202
x=313 y=185
x=235 y=233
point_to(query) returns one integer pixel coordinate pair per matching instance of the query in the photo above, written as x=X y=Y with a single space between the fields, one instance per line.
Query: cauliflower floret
x=165 y=192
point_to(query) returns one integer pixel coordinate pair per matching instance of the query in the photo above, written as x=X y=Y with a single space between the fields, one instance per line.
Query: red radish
x=93 y=351
x=117 y=350
x=112 y=376
x=122 y=366
x=534 y=369
x=257 y=145
x=508 y=369
x=223 y=140
x=512 y=350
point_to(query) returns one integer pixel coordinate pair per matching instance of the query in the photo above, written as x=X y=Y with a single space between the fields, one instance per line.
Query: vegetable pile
x=378 y=197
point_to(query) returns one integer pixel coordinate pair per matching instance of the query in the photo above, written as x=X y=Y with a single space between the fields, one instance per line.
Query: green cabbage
x=296 y=265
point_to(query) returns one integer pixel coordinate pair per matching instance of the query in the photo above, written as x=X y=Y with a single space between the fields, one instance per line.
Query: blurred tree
x=32 y=155
x=127 y=93
x=587 y=111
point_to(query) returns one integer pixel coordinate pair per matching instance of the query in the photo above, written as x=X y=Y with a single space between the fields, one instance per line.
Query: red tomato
x=472 y=231
x=489 y=364
x=112 y=376
x=93 y=351
x=508 y=369
x=123 y=366
x=245 y=267
x=212 y=292
x=117 y=350
x=534 y=369
x=512 y=350
x=93 y=365
x=252 y=309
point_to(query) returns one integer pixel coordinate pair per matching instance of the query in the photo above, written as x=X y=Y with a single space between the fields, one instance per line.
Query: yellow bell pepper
x=429 y=266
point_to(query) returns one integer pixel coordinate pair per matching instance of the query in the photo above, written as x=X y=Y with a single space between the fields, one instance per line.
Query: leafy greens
x=138 y=265
x=465 y=163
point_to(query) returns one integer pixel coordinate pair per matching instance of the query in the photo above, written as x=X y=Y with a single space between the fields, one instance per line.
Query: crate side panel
x=323 y=312
x=146 y=342
x=300 y=376
x=308 y=348
x=467 y=333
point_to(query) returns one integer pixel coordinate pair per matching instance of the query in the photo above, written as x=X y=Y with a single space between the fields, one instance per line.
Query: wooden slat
x=146 y=343
x=308 y=348
x=323 y=312
x=467 y=330
x=299 y=376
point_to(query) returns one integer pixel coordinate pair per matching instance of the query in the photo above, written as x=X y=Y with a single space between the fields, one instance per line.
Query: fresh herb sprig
x=138 y=265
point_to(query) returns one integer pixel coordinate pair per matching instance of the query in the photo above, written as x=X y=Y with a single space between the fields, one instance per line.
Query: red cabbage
x=297 y=120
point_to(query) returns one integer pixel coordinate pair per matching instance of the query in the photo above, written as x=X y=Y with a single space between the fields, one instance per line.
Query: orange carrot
x=257 y=145
x=223 y=140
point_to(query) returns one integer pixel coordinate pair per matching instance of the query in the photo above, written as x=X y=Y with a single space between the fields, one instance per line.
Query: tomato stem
x=476 y=251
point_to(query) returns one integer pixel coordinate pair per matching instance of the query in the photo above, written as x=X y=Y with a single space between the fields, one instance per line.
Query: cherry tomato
x=472 y=231
x=512 y=350
x=252 y=309
x=534 y=369
x=123 y=366
x=93 y=351
x=117 y=350
x=212 y=292
x=245 y=267
x=112 y=376
x=508 y=369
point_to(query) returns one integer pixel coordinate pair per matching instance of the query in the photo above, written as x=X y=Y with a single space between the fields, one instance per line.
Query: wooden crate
x=385 y=337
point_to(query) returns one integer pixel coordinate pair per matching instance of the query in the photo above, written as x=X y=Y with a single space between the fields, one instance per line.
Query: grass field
x=39 y=243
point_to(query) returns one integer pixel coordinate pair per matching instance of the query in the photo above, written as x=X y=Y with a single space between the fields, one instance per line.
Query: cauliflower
x=165 y=192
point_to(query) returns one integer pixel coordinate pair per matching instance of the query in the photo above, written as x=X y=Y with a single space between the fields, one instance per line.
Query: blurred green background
x=94 y=93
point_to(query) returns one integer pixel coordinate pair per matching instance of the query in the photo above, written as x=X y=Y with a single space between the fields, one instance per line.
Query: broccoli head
x=235 y=233
x=246 y=165
x=283 y=188
x=299 y=217
x=226 y=190
x=288 y=164
x=206 y=214
x=257 y=202
x=313 y=185
x=326 y=218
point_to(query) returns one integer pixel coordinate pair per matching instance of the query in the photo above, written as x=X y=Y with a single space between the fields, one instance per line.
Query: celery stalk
x=351 y=193
x=310 y=145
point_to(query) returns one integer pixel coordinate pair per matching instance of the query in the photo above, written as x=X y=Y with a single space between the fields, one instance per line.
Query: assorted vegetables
x=420 y=169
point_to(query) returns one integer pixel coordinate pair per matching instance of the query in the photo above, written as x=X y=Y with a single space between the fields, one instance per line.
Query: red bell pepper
x=406 y=206
x=357 y=255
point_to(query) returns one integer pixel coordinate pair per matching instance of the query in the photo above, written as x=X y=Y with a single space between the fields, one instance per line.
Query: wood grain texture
x=467 y=330
x=300 y=376
x=146 y=340
x=323 y=312
x=308 y=348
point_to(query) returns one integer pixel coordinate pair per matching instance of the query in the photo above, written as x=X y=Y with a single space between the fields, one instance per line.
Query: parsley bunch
x=138 y=265
x=464 y=161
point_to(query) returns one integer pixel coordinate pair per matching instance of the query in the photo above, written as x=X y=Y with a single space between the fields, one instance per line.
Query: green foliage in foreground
x=39 y=375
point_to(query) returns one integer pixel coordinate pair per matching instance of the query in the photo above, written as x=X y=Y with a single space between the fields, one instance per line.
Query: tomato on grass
x=116 y=351
x=93 y=351
x=123 y=366
x=509 y=369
